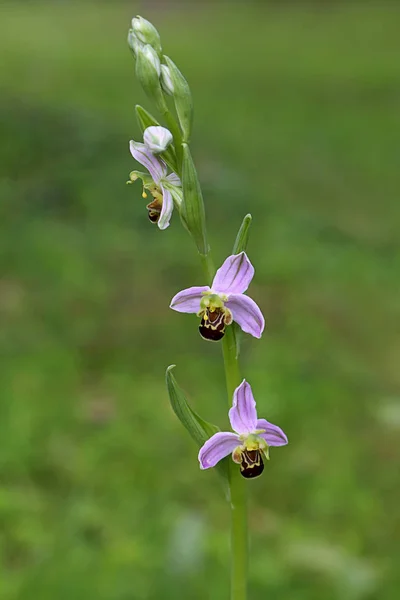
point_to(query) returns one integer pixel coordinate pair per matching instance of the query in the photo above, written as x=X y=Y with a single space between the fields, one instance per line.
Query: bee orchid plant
x=221 y=305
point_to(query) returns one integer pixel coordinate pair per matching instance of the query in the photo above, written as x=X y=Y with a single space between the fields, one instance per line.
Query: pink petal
x=246 y=313
x=188 y=301
x=234 y=276
x=166 y=210
x=243 y=414
x=273 y=435
x=216 y=448
x=155 y=166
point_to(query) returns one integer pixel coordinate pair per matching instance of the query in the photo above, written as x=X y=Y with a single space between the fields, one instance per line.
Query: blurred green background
x=297 y=120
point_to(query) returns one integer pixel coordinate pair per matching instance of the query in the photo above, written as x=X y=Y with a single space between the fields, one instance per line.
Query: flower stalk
x=237 y=485
x=239 y=535
x=222 y=305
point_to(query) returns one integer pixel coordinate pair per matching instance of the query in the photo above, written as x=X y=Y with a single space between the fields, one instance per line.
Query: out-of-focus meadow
x=297 y=121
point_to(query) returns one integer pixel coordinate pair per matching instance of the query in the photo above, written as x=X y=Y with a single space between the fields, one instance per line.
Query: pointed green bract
x=144 y=118
x=242 y=237
x=182 y=98
x=193 y=214
x=199 y=429
x=239 y=246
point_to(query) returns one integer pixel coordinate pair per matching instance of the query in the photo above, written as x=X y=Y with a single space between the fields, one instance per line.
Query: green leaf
x=182 y=99
x=242 y=237
x=145 y=120
x=199 y=429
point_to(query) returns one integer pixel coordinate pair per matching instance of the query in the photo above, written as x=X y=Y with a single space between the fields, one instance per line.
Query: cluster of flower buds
x=171 y=181
x=158 y=74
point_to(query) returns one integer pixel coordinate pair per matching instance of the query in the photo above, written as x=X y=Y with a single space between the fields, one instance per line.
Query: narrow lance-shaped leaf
x=193 y=213
x=182 y=98
x=199 y=429
x=240 y=245
x=145 y=120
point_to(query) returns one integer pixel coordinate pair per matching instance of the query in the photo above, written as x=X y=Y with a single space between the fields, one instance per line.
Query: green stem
x=239 y=536
x=238 y=499
x=208 y=266
x=232 y=373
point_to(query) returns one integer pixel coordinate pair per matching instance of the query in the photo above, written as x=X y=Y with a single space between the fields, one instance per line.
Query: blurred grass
x=296 y=121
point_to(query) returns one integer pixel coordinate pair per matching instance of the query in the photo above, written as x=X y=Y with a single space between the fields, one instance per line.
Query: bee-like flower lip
x=253 y=435
x=227 y=291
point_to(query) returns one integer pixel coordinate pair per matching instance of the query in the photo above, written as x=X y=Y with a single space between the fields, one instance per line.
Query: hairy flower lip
x=252 y=437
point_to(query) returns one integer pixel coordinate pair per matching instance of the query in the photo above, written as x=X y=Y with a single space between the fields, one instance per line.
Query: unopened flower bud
x=146 y=33
x=157 y=139
x=150 y=61
x=133 y=42
x=166 y=81
x=148 y=71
